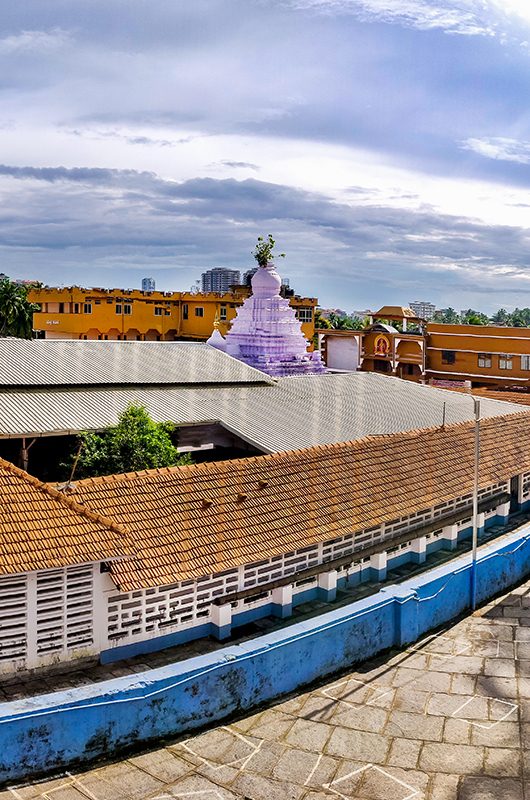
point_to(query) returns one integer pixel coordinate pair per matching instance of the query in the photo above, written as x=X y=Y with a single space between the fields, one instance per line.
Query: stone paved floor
x=446 y=718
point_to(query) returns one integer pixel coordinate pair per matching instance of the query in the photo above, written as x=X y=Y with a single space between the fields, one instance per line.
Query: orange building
x=132 y=314
x=379 y=348
x=481 y=355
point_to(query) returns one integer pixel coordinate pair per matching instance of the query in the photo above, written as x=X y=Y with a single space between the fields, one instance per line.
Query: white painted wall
x=342 y=352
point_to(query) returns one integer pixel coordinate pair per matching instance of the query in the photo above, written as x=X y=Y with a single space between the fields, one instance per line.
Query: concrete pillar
x=222 y=621
x=503 y=512
x=450 y=536
x=103 y=586
x=282 y=601
x=419 y=550
x=481 y=519
x=327 y=586
x=31 y=621
x=520 y=490
x=378 y=563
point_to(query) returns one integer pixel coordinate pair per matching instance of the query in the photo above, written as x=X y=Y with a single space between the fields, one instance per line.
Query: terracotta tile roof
x=40 y=528
x=185 y=522
x=523 y=398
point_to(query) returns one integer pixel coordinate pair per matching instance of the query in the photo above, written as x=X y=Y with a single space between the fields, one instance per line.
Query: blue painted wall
x=50 y=732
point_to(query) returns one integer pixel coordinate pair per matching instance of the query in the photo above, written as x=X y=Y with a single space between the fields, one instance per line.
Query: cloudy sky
x=384 y=143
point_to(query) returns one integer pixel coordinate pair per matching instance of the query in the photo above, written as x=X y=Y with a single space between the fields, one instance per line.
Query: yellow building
x=484 y=355
x=77 y=313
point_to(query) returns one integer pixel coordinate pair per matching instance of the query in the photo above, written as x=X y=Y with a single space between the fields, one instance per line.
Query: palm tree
x=16 y=312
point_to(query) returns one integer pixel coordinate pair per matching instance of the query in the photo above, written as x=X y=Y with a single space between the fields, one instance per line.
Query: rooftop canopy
x=293 y=413
x=186 y=522
x=40 y=528
x=395 y=313
x=74 y=362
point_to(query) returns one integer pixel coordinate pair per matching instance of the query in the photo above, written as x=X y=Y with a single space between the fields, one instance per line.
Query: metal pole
x=476 y=404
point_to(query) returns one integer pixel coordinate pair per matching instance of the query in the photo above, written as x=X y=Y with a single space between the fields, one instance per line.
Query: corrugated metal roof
x=294 y=413
x=73 y=362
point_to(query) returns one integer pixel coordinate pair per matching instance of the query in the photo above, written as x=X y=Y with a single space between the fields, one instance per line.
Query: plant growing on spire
x=263 y=250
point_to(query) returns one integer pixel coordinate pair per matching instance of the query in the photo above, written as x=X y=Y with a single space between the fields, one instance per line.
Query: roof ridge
x=266 y=458
x=63 y=499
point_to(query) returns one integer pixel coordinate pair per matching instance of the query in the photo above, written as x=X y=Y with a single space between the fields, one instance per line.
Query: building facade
x=78 y=313
x=480 y=355
x=380 y=347
x=148 y=285
x=423 y=309
x=466 y=355
x=220 y=279
x=109 y=578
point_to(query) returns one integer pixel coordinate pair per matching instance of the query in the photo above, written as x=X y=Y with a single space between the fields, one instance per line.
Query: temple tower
x=266 y=333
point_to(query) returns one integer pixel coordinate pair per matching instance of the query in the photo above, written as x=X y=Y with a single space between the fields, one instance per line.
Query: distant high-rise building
x=423 y=309
x=148 y=284
x=219 y=279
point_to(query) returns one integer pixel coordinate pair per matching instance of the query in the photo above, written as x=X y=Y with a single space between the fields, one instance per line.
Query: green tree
x=320 y=321
x=448 y=316
x=472 y=317
x=263 y=250
x=345 y=323
x=136 y=443
x=16 y=312
x=520 y=318
x=501 y=317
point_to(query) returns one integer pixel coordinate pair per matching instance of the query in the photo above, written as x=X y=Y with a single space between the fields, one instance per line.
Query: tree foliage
x=16 y=312
x=345 y=323
x=472 y=317
x=136 y=443
x=263 y=252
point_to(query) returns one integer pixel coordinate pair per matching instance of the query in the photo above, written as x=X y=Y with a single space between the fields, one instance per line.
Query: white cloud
x=34 y=41
x=456 y=16
x=500 y=148
x=464 y=17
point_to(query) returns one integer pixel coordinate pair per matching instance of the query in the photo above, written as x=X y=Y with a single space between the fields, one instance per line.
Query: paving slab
x=448 y=718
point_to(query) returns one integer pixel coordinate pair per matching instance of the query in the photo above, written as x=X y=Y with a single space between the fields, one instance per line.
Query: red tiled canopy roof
x=186 y=522
x=40 y=528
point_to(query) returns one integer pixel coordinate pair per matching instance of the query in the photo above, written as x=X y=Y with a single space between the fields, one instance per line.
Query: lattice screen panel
x=13 y=619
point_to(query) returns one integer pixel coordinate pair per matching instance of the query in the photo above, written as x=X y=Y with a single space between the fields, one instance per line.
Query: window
x=484 y=359
x=222 y=313
x=305 y=314
x=76 y=308
x=505 y=361
x=199 y=311
x=127 y=308
x=118 y=308
x=158 y=311
x=525 y=362
x=448 y=356
x=110 y=299
x=87 y=308
x=61 y=308
x=185 y=311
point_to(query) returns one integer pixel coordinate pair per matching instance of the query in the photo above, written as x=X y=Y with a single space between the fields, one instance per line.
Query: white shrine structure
x=266 y=333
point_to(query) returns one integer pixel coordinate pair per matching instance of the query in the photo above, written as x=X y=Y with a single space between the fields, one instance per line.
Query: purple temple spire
x=266 y=333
